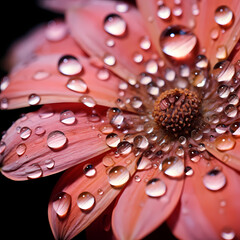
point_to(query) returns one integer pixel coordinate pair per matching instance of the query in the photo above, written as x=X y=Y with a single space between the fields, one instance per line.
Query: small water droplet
x=69 y=65
x=214 y=33
x=223 y=71
x=112 y=140
x=172 y=166
x=106 y=129
x=137 y=57
x=4 y=103
x=115 y=25
x=108 y=161
x=170 y=74
x=56 y=31
x=39 y=130
x=235 y=129
x=155 y=188
x=194 y=155
x=223 y=16
x=46 y=112
x=223 y=91
x=77 y=85
x=214 y=180
x=118 y=176
x=140 y=141
x=177 y=41
x=56 y=139
x=25 y=132
x=145 y=79
x=41 y=75
x=34 y=99
x=136 y=102
x=137 y=178
x=67 y=117
x=231 y=111
x=228 y=234
x=34 y=171
x=221 y=128
x=61 y=204
x=109 y=60
x=145 y=43
x=49 y=163
x=221 y=53
x=225 y=142
x=201 y=61
x=85 y=201
x=4 y=83
x=103 y=74
x=87 y=101
x=151 y=66
x=163 y=12
x=21 y=149
x=122 y=7
x=89 y=170
x=188 y=171
x=177 y=11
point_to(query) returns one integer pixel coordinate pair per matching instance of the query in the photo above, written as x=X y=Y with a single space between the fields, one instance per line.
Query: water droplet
x=214 y=180
x=235 y=129
x=34 y=171
x=228 y=234
x=231 y=111
x=233 y=99
x=136 y=102
x=122 y=7
x=4 y=103
x=214 y=33
x=223 y=16
x=184 y=70
x=151 y=66
x=115 y=25
x=106 y=129
x=112 y=140
x=46 y=112
x=4 y=83
x=163 y=12
x=69 y=65
x=153 y=89
x=155 y=188
x=225 y=142
x=201 y=61
x=2 y=147
x=39 y=130
x=188 y=171
x=41 y=75
x=221 y=128
x=61 y=204
x=172 y=166
x=223 y=91
x=49 y=163
x=145 y=43
x=77 y=85
x=87 y=101
x=109 y=60
x=177 y=11
x=118 y=176
x=177 y=41
x=145 y=79
x=221 y=53
x=25 y=132
x=223 y=71
x=124 y=147
x=56 y=31
x=108 y=161
x=140 y=141
x=103 y=74
x=34 y=99
x=137 y=178
x=137 y=57
x=194 y=155
x=85 y=201
x=67 y=117
x=170 y=74
x=56 y=139
x=21 y=149
x=89 y=170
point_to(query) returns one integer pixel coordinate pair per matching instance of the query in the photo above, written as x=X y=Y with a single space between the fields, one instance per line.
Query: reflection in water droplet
x=4 y=83
x=188 y=171
x=223 y=16
x=225 y=142
x=235 y=129
x=214 y=180
x=103 y=74
x=34 y=171
x=39 y=130
x=25 y=132
x=145 y=43
x=56 y=140
x=61 y=204
x=228 y=234
x=2 y=147
x=109 y=60
x=140 y=141
x=67 y=117
x=112 y=140
x=223 y=71
x=49 y=163
x=21 y=149
x=118 y=176
x=56 y=31
x=85 y=201
x=164 y=12
x=177 y=41
x=155 y=188
x=89 y=170
x=77 y=85
x=87 y=101
x=124 y=147
x=115 y=25
x=172 y=166
x=69 y=65
x=34 y=99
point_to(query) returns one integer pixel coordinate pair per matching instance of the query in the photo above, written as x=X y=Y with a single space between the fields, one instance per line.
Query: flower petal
x=136 y=214
x=51 y=140
x=204 y=213
x=41 y=78
x=116 y=46
x=73 y=183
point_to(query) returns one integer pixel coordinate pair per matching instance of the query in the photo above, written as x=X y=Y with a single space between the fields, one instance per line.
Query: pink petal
x=73 y=183
x=136 y=214
x=124 y=39
x=42 y=78
x=204 y=213
x=52 y=139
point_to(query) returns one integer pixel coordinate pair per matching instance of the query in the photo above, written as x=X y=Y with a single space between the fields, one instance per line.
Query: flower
x=141 y=105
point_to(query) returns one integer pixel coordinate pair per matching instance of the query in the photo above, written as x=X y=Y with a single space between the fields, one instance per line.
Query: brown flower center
x=176 y=111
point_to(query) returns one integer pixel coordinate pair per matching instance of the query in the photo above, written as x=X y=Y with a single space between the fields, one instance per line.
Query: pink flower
x=140 y=107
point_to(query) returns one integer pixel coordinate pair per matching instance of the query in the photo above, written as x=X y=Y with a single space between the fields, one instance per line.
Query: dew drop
x=61 y=204
x=177 y=41
x=112 y=140
x=124 y=148
x=2 y=147
x=155 y=188
x=49 y=163
x=4 y=83
x=140 y=141
x=214 y=33
x=235 y=129
x=151 y=66
x=172 y=166
x=103 y=74
x=21 y=149
x=223 y=71
x=87 y=101
x=108 y=161
x=89 y=170
x=46 y=112
x=136 y=102
x=25 y=132
x=85 y=201
x=34 y=99
x=145 y=43
x=39 y=130
x=56 y=139
x=201 y=61
x=194 y=155
x=4 y=103
x=56 y=31
x=223 y=91
x=77 y=85
x=228 y=234
x=106 y=129
x=225 y=142
x=118 y=176
x=41 y=75
x=221 y=53
x=231 y=111
x=221 y=128
x=137 y=57
x=144 y=163
x=177 y=11
x=34 y=171
x=145 y=79
x=214 y=180
x=69 y=65
x=109 y=60
x=67 y=117
x=115 y=25
x=223 y=16
x=164 y=12
x=122 y=7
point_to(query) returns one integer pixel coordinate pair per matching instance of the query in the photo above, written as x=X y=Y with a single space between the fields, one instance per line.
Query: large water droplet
x=34 y=171
x=124 y=147
x=164 y=12
x=155 y=188
x=214 y=180
x=225 y=142
x=115 y=25
x=77 y=85
x=56 y=31
x=172 y=166
x=118 y=176
x=56 y=140
x=89 y=170
x=67 y=117
x=112 y=140
x=25 y=132
x=223 y=71
x=177 y=41
x=34 y=99
x=110 y=60
x=69 y=65
x=85 y=201
x=2 y=147
x=61 y=204
x=145 y=43
x=223 y=16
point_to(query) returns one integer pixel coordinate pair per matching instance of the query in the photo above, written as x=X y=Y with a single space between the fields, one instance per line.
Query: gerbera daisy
x=139 y=104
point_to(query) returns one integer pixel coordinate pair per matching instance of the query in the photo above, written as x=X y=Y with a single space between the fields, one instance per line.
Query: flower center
x=176 y=111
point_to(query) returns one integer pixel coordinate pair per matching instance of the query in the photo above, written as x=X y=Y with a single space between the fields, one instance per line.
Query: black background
x=24 y=204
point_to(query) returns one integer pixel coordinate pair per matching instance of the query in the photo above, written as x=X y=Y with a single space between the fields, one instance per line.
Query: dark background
x=24 y=204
